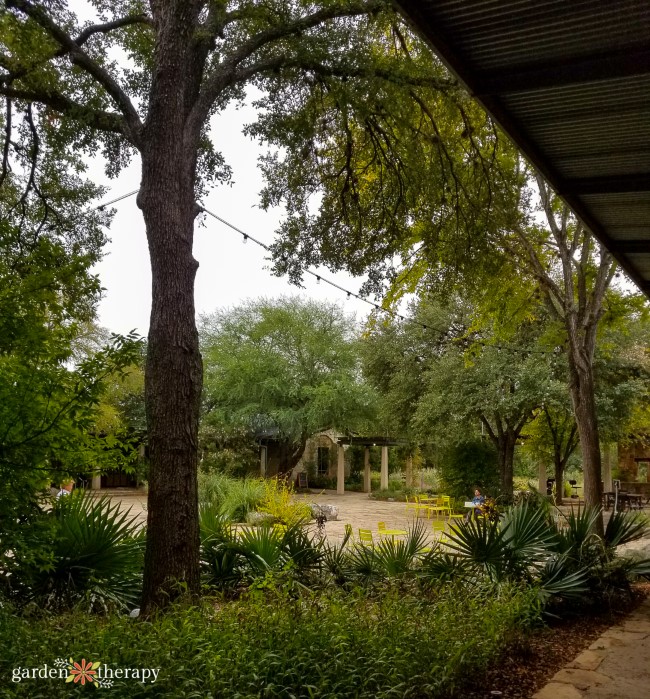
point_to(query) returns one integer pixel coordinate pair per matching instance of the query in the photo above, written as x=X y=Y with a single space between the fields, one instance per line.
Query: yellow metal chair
x=416 y=505
x=439 y=528
x=365 y=537
x=436 y=507
x=381 y=526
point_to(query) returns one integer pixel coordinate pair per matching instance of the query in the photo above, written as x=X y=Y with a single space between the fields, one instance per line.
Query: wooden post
x=367 y=487
x=340 y=472
x=409 y=470
x=608 y=486
x=96 y=483
x=384 y=468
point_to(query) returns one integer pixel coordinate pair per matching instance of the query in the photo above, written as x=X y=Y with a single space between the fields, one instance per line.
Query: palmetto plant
x=97 y=556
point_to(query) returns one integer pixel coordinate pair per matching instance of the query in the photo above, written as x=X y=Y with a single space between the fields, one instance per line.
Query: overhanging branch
x=103 y=121
x=86 y=63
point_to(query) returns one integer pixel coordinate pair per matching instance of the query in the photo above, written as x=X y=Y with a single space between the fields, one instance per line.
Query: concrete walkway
x=615 y=666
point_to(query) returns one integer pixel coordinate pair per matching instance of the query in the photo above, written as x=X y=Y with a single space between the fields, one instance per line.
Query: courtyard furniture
x=365 y=537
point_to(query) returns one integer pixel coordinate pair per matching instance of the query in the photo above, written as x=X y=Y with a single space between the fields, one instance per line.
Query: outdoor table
x=393 y=533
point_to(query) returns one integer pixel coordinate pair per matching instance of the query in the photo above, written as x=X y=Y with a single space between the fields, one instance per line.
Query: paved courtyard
x=356 y=509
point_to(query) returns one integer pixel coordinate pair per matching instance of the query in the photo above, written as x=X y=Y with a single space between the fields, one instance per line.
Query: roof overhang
x=569 y=81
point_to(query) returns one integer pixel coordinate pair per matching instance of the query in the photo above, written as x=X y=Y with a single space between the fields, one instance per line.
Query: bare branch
x=110 y=26
x=84 y=61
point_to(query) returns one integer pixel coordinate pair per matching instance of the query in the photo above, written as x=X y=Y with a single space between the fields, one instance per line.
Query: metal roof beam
x=620 y=184
x=571 y=71
x=629 y=246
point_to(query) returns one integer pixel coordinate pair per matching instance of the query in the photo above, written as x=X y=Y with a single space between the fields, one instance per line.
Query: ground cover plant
x=274 y=643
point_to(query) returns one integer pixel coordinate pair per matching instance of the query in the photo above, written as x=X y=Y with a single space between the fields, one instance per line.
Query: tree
x=554 y=433
x=284 y=367
x=574 y=273
x=49 y=393
x=443 y=378
x=187 y=60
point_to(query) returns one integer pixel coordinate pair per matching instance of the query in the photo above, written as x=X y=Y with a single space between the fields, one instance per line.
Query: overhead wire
x=319 y=277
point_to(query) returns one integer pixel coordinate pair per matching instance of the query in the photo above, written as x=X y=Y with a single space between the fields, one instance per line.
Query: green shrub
x=272 y=644
x=96 y=557
x=468 y=465
x=234 y=498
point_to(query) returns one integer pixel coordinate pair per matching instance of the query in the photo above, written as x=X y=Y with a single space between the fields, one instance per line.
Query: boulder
x=259 y=519
x=330 y=512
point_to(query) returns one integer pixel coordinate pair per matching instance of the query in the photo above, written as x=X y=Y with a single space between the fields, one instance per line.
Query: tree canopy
x=283 y=368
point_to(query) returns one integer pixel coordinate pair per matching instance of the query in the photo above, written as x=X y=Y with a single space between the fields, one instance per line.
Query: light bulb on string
x=245 y=239
x=317 y=279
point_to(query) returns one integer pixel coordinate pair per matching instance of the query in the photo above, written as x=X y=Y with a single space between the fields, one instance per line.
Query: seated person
x=477 y=501
x=66 y=489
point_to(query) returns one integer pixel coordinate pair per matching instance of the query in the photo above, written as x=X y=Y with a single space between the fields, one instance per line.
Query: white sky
x=230 y=271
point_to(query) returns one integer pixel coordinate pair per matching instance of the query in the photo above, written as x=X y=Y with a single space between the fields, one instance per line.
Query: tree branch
x=103 y=121
x=84 y=61
x=110 y=26
x=222 y=76
x=7 y=143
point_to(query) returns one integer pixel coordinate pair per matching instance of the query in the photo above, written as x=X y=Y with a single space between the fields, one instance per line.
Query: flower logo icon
x=82 y=672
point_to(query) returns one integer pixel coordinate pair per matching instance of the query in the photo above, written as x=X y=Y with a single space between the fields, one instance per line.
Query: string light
x=349 y=294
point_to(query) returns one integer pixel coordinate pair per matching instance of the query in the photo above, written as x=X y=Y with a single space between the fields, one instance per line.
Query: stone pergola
x=367 y=442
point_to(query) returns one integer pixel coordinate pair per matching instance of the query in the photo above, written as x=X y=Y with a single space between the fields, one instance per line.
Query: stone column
x=96 y=483
x=409 y=471
x=340 y=472
x=366 y=470
x=263 y=461
x=384 y=468
x=542 y=478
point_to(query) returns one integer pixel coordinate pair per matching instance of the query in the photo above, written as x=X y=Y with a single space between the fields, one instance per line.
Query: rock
x=330 y=512
x=134 y=613
x=259 y=519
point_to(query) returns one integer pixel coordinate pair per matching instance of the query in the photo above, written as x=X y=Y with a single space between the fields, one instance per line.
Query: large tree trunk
x=174 y=373
x=584 y=407
x=172 y=383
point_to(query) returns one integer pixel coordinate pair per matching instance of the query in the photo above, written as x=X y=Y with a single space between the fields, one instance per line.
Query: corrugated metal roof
x=569 y=80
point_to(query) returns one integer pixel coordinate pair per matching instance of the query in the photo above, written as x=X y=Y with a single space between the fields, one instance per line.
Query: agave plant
x=97 y=556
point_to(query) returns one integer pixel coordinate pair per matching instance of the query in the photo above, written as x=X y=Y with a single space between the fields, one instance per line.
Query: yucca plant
x=262 y=549
x=335 y=559
x=559 y=580
x=624 y=527
x=304 y=551
x=97 y=557
x=438 y=566
x=482 y=543
x=363 y=565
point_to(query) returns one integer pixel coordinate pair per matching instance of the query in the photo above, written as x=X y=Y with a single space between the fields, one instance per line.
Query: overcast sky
x=229 y=270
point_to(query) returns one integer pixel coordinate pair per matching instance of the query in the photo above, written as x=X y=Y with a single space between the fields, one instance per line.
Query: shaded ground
x=531 y=662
